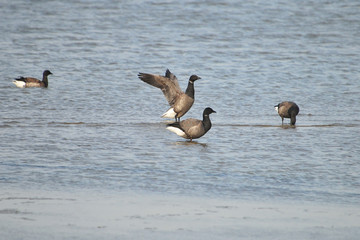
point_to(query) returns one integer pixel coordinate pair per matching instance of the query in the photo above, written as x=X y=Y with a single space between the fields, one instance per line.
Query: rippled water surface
x=98 y=127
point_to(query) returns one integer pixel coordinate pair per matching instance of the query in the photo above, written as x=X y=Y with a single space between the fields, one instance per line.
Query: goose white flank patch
x=192 y=128
x=180 y=102
x=287 y=110
x=26 y=82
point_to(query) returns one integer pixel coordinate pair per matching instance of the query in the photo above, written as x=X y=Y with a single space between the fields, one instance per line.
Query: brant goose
x=192 y=128
x=179 y=101
x=287 y=110
x=24 y=82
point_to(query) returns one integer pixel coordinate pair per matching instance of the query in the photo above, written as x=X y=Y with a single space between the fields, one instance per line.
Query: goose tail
x=19 y=83
x=175 y=128
x=169 y=113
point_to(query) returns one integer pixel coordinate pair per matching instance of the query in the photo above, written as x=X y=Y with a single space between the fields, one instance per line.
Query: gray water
x=98 y=127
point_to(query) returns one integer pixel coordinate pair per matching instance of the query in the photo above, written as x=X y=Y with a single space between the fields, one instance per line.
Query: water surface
x=98 y=127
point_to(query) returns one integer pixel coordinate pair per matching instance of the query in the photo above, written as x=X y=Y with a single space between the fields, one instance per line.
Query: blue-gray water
x=98 y=127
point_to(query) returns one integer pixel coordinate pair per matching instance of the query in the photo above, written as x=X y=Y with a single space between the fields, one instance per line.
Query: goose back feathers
x=23 y=82
x=192 y=128
x=180 y=102
x=287 y=110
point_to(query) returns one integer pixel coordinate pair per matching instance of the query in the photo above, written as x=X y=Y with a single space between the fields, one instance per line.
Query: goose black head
x=47 y=73
x=193 y=78
x=208 y=111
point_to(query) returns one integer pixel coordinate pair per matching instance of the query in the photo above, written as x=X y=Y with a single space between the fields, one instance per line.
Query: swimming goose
x=179 y=101
x=287 y=110
x=192 y=128
x=25 y=82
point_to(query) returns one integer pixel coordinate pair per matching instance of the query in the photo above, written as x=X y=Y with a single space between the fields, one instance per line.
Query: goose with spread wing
x=180 y=102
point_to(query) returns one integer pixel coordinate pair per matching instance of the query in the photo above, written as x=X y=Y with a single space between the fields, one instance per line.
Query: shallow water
x=63 y=215
x=98 y=127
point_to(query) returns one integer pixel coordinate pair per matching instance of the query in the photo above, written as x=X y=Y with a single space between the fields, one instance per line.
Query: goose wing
x=191 y=124
x=173 y=78
x=168 y=84
x=28 y=79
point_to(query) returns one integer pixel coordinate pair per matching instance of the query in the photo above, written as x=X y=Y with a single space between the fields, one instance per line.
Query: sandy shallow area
x=74 y=215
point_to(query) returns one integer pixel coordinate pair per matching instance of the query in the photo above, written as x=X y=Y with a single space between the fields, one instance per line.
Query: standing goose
x=192 y=128
x=25 y=82
x=179 y=101
x=287 y=110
